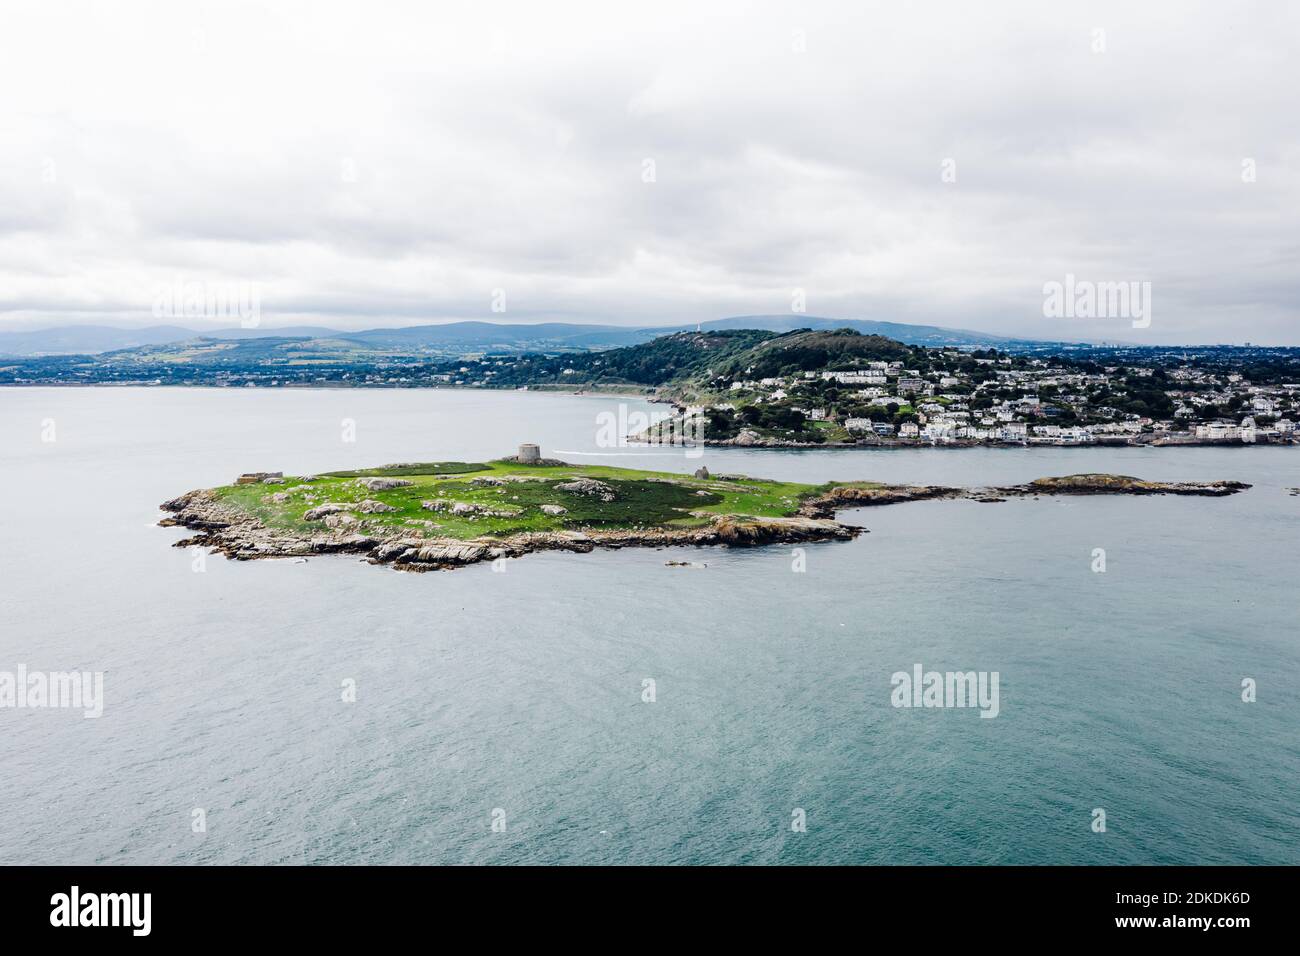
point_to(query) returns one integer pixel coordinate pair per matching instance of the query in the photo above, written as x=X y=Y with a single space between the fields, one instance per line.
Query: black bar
x=332 y=905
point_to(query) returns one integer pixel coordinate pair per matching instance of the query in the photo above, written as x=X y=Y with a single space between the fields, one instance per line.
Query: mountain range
x=461 y=338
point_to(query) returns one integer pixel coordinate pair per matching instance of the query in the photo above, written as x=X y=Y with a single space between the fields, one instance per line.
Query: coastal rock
x=320 y=511
x=859 y=496
x=1126 y=485
x=452 y=553
x=347 y=544
x=856 y=496
x=394 y=550
x=383 y=484
x=746 y=532
x=337 y=521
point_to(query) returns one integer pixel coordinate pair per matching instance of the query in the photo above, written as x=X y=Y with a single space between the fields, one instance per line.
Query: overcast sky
x=372 y=163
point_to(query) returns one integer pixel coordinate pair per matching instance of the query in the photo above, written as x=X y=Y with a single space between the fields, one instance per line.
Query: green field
x=637 y=499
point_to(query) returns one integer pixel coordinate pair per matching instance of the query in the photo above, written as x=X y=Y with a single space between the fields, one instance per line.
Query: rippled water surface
x=523 y=690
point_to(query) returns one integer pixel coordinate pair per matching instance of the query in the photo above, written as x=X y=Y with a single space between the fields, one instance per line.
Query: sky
x=371 y=164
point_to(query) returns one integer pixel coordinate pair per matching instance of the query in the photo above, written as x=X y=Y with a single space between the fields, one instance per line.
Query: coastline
x=651 y=396
x=776 y=444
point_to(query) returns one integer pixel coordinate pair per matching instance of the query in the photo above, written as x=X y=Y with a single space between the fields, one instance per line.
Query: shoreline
x=771 y=444
x=765 y=444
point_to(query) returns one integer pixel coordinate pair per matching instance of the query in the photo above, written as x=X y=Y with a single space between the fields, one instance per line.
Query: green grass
x=641 y=499
x=414 y=468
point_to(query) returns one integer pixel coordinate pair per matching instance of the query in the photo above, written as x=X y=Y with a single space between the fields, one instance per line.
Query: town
x=964 y=398
x=802 y=388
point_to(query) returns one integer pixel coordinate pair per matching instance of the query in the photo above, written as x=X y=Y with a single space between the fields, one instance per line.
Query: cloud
x=392 y=163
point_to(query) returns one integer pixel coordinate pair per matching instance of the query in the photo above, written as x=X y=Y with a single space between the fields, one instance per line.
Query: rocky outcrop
x=587 y=486
x=862 y=496
x=383 y=484
x=1125 y=485
x=321 y=511
x=258 y=477
x=748 y=532
x=470 y=508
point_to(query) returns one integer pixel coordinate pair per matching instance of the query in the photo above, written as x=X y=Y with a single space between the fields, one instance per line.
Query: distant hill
x=93 y=339
x=500 y=337
x=802 y=351
x=668 y=358
x=929 y=335
x=81 y=339
x=690 y=361
x=461 y=338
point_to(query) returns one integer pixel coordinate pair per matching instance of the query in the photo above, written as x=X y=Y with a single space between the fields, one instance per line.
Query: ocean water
x=521 y=691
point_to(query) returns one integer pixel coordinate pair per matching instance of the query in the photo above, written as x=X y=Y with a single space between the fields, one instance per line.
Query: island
x=443 y=515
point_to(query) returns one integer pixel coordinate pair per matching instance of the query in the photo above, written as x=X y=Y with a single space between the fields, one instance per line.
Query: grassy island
x=425 y=516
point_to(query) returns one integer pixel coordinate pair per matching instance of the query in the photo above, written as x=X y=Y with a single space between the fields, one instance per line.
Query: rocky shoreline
x=858 y=496
x=242 y=536
x=239 y=535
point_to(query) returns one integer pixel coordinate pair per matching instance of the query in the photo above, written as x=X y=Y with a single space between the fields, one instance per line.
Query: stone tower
x=529 y=454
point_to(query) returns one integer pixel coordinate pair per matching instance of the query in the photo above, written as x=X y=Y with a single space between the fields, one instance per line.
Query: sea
x=612 y=708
